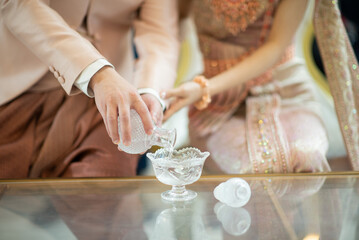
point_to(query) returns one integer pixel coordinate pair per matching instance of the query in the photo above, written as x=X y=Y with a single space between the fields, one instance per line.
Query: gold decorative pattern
x=236 y=15
x=267 y=144
x=219 y=56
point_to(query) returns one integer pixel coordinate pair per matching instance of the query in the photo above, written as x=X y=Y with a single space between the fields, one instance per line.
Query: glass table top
x=306 y=206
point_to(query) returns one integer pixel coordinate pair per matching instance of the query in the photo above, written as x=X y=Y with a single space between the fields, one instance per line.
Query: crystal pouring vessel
x=178 y=168
x=141 y=142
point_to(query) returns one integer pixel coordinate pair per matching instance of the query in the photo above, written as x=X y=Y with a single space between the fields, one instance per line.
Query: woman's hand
x=114 y=98
x=186 y=94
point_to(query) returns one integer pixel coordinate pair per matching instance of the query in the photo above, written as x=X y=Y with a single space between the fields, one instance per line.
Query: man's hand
x=114 y=98
x=154 y=107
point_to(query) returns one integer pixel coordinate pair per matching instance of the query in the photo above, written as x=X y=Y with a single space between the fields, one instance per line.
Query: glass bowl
x=178 y=168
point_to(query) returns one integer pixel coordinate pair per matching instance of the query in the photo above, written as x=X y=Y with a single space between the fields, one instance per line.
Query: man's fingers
x=154 y=108
x=145 y=116
x=125 y=124
x=156 y=113
x=159 y=119
x=112 y=127
x=102 y=111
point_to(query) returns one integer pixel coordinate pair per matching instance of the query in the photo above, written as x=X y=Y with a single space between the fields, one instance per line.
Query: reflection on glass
x=235 y=221
x=179 y=222
x=312 y=237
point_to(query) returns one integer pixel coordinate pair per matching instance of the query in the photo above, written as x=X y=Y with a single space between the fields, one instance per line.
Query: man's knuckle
x=124 y=118
x=112 y=118
x=134 y=95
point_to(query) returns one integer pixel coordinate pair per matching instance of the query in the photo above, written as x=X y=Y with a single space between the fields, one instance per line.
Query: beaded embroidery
x=267 y=144
x=237 y=14
x=221 y=52
x=341 y=71
x=230 y=99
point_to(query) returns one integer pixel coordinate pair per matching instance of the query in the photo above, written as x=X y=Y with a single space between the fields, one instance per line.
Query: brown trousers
x=50 y=134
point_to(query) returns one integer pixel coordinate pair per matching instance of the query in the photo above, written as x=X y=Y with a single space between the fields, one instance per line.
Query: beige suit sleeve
x=48 y=36
x=157 y=45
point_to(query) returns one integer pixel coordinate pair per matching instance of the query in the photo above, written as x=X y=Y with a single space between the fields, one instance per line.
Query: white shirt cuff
x=83 y=80
x=155 y=94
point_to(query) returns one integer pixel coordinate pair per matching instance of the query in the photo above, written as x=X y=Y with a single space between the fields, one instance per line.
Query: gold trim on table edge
x=204 y=177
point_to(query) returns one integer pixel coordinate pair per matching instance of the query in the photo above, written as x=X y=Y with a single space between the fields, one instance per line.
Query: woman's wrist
x=206 y=96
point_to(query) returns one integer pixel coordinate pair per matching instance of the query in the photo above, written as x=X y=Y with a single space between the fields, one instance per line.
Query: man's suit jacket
x=41 y=41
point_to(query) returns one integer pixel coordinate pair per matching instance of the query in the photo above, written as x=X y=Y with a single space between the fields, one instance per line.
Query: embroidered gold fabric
x=342 y=72
x=268 y=146
x=221 y=51
x=237 y=14
x=268 y=124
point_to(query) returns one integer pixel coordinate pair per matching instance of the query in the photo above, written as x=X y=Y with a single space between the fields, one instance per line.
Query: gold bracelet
x=206 y=97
